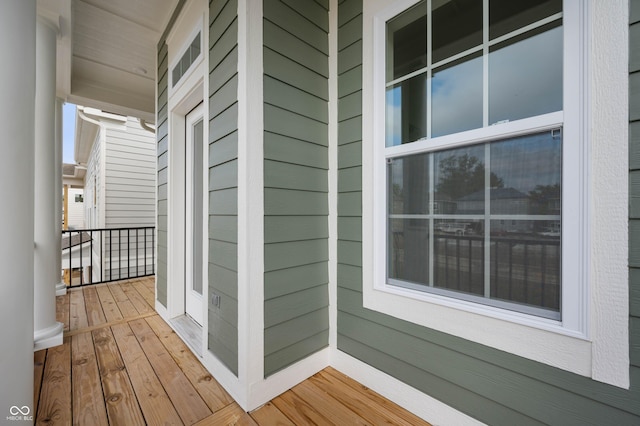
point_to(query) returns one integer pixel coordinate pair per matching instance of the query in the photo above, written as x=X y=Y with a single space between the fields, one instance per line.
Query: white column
x=17 y=86
x=61 y=288
x=47 y=332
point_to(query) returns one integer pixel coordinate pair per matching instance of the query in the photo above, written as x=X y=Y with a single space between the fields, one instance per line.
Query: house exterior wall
x=129 y=176
x=634 y=191
x=75 y=215
x=223 y=181
x=94 y=185
x=490 y=385
x=162 y=138
x=296 y=80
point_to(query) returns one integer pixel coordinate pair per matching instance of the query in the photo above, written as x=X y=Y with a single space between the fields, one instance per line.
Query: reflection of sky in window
x=457 y=98
x=529 y=161
x=525 y=78
x=393 y=118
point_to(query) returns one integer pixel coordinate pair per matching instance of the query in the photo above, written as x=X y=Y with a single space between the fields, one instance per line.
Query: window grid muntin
x=486 y=219
x=485 y=48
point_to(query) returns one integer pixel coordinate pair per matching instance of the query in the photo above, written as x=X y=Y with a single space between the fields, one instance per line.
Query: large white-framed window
x=476 y=173
x=473 y=148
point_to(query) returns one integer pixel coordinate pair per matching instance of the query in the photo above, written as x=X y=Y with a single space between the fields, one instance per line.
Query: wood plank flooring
x=121 y=364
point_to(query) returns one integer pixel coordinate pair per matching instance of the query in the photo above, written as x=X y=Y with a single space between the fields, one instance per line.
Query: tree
x=545 y=199
x=461 y=175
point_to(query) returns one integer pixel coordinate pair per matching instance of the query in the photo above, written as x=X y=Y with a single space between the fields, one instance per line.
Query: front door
x=194 y=213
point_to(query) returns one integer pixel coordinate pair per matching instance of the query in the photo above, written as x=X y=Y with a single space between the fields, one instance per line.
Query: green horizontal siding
x=286 y=281
x=634 y=189
x=162 y=167
x=490 y=385
x=223 y=180
x=287 y=97
x=294 y=151
x=278 y=229
x=225 y=149
x=296 y=115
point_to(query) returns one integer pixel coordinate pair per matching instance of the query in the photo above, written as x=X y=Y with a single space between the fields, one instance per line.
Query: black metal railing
x=94 y=256
x=523 y=268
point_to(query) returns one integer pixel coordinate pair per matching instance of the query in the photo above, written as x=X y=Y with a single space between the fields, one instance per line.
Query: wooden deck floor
x=121 y=364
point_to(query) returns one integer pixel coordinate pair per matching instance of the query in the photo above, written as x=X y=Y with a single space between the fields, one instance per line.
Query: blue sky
x=68 y=132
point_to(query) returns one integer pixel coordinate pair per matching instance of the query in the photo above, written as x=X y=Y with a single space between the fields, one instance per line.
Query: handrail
x=101 y=255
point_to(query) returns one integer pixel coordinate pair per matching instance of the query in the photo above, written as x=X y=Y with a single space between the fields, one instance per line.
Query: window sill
x=541 y=340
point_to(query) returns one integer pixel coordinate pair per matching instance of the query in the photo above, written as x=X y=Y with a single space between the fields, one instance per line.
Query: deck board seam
x=108 y=324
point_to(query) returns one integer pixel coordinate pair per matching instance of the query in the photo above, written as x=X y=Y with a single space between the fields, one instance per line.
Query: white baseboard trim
x=419 y=403
x=49 y=337
x=61 y=289
x=280 y=382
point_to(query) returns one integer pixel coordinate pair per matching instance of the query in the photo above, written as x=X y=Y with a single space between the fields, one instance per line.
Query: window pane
x=525 y=76
x=409 y=185
x=407 y=111
x=456 y=90
x=509 y=15
x=457 y=26
x=525 y=262
x=459 y=181
x=458 y=262
x=409 y=250
x=407 y=42
x=528 y=173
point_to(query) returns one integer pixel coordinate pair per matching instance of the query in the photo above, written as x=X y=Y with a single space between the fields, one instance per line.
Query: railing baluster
x=119 y=253
x=77 y=239
x=110 y=255
x=470 y=281
x=145 y=251
x=137 y=255
x=81 y=269
x=458 y=261
x=91 y=257
x=526 y=272
x=101 y=250
x=543 y=264
x=70 y=261
x=510 y=270
x=128 y=254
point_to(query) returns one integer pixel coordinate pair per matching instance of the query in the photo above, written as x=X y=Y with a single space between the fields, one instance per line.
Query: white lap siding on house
x=130 y=176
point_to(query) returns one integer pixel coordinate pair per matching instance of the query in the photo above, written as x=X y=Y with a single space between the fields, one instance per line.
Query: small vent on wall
x=188 y=58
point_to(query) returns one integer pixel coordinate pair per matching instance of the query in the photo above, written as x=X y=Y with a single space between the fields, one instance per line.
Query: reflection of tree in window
x=545 y=199
x=460 y=175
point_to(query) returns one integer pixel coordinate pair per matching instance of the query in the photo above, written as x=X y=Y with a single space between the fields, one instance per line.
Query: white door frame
x=179 y=106
x=195 y=185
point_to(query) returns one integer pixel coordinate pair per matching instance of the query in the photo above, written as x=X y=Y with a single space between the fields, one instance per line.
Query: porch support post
x=61 y=288
x=17 y=85
x=47 y=332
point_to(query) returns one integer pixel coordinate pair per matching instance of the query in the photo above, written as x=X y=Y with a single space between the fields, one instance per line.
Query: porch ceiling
x=107 y=52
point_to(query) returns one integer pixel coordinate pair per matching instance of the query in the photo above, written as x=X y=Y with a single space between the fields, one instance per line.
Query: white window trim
x=592 y=340
x=176 y=52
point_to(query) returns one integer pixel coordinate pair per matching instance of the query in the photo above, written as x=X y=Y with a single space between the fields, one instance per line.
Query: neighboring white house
x=119 y=155
x=74 y=203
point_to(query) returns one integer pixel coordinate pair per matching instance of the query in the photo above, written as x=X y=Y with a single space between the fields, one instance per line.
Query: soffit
x=113 y=54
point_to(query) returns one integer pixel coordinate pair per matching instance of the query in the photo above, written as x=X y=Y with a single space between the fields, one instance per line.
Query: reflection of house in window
x=503 y=200
x=442 y=204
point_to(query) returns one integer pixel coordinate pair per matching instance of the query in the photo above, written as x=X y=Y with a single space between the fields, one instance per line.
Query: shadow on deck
x=121 y=364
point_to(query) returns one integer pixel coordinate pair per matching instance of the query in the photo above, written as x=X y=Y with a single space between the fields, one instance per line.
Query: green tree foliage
x=545 y=199
x=461 y=175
